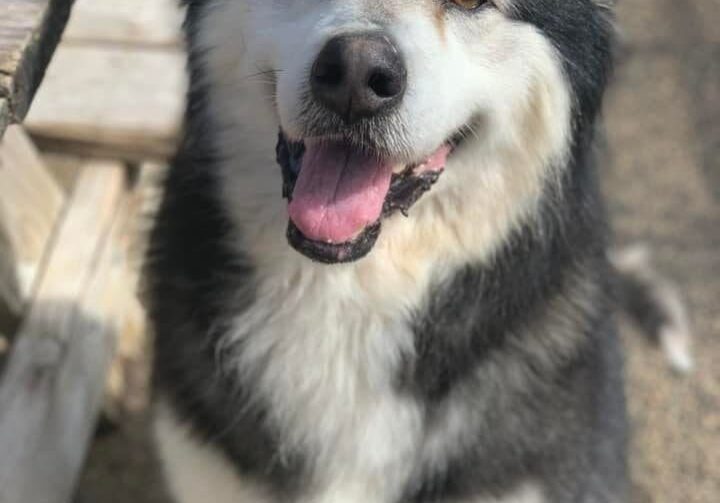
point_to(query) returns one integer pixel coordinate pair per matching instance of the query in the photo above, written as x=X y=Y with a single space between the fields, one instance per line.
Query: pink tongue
x=338 y=193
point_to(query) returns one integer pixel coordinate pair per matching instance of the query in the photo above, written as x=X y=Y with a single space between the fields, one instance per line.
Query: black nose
x=359 y=75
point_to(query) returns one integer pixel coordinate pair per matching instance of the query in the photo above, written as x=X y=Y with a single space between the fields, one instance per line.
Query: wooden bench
x=64 y=291
x=29 y=33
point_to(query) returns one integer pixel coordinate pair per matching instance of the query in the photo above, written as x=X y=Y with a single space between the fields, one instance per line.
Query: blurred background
x=115 y=92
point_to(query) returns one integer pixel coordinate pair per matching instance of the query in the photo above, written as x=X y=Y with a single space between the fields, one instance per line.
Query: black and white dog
x=404 y=296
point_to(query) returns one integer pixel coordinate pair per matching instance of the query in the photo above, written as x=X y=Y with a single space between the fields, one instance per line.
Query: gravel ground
x=663 y=187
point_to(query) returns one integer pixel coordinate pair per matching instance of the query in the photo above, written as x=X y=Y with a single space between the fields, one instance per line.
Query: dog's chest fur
x=325 y=350
x=327 y=367
x=198 y=473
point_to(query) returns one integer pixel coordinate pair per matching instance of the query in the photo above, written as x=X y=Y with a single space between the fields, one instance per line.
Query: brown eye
x=469 y=4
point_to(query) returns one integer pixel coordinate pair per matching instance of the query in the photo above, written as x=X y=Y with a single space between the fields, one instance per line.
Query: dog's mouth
x=339 y=194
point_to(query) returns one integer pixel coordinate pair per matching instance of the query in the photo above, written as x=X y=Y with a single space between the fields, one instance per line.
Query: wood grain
x=53 y=386
x=29 y=33
x=4 y=115
x=116 y=101
x=30 y=202
x=130 y=23
x=30 y=205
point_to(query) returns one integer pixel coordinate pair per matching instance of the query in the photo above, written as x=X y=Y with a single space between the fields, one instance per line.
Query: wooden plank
x=29 y=33
x=30 y=205
x=4 y=116
x=64 y=168
x=30 y=202
x=53 y=385
x=115 y=146
x=131 y=23
x=11 y=303
x=126 y=393
x=115 y=101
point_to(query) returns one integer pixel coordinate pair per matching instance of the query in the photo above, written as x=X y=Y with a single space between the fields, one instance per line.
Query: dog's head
x=375 y=98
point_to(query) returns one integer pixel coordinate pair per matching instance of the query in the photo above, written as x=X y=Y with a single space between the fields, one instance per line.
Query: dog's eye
x=469 y=4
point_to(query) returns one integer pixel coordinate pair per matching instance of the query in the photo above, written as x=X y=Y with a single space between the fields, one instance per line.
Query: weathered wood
x=11 y=303
x=114 y=101
x=29 y=33
x=64 y=168
x=30 y=205
x=130 y=23
x=113 y=147
x=30 y=202
x=4 y=116
x=52 y=389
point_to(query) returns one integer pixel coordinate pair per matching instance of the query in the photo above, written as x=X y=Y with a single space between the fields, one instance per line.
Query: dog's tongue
x=339 y=191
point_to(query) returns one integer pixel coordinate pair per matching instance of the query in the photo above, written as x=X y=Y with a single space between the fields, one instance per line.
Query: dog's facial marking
x=501 y=84
x=321 y=347
x=440 y=23
x=497 y=81
x=483 y=75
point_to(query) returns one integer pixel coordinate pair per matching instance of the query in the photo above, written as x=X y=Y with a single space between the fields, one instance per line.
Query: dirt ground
x=662 y=182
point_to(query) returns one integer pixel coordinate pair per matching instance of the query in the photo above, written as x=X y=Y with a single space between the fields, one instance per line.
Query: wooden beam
x=30 y=202
x=29 y=33
x=4 y=116
x=128 y=23
x=114 y=102
x=130 y=148
x=53 y=386
x=30 y=205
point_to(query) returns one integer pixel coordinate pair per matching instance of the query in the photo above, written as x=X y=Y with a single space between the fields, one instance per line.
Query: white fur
x=198 y=473
x=675 y=335
x=526 y=493
x=323 y=343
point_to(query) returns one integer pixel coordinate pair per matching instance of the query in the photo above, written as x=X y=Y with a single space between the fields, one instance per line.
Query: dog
x=379 y=273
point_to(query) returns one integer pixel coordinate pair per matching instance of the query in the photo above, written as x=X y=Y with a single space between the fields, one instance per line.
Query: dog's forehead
x=377 y=7
x=384 y=6
x=394 y=8
x=389 y=6
x=389 y=10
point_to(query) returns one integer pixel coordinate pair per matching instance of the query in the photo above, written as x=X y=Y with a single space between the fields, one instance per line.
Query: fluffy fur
x=470 y=357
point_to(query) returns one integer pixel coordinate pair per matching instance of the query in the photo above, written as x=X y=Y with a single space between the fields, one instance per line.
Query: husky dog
x=379 y=273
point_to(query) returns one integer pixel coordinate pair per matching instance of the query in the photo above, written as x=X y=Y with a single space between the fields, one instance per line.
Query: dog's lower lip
x=334 y=253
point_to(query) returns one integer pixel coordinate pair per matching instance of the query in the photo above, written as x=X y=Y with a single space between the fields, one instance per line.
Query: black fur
x=191 y=272
x=487 y=313
x=328 y=253
x=568 y=426
x=582 y=33
x=192 y=276
x=565 y=426
x=637 y=295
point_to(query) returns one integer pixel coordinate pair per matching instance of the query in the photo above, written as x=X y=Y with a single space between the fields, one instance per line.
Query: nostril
x=385 y=84
x=328 y=74
x=358 y=75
